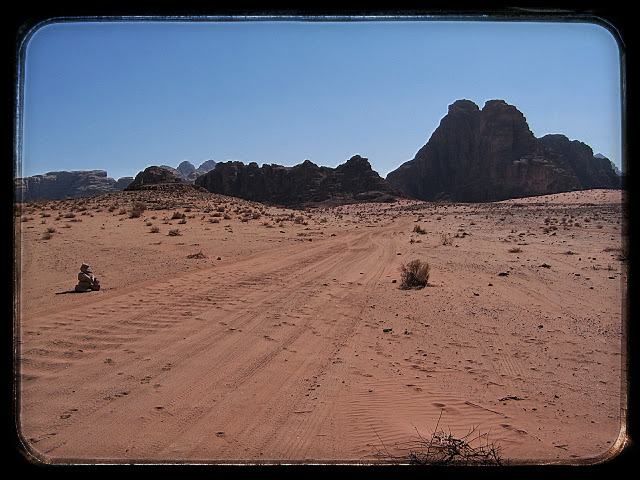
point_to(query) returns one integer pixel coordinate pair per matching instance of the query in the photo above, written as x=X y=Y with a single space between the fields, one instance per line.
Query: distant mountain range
x=475 y=155
x=80 y=183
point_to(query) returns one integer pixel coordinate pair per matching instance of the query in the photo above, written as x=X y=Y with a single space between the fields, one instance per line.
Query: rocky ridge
x=65 y=184
x=491 y=154
x=300 y=185
x=81 y=183
x=188 y=173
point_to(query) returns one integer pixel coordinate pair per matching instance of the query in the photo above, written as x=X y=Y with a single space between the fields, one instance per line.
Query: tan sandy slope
x=277 y=335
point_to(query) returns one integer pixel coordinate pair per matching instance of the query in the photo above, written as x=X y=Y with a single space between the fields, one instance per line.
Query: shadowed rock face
x=302 y=184
x=64 y=184
x=154 y=176
x=188 y=173
x=491 y=154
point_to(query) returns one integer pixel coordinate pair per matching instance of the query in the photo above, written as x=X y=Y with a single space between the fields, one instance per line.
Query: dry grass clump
x=445 y=449
x=137 y=209
x=419 y=229
x=174 y=232
x=414 y=274
x=446 y=239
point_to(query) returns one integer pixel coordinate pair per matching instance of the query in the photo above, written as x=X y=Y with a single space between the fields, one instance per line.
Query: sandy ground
x=262 y=334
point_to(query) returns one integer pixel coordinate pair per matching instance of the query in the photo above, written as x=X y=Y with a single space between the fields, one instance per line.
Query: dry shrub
x=137 y=209
x=414 y=274
x=174 y=232
x=445 y=449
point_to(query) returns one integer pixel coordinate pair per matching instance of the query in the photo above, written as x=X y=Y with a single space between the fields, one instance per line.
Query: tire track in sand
x=195 y=345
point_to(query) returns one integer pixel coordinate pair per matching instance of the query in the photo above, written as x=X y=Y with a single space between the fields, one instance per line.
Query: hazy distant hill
x=80 y=183
x=188 y=173
x=63 y=184
x=491 y=154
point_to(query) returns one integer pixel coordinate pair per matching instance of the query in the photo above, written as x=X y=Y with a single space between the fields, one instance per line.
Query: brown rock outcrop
x=152 y=176
x=491 y=154
x=302 y=184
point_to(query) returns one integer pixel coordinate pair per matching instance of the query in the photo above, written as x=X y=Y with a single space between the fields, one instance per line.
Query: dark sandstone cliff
x=152 y=176
x=491 y=154
x=302 y=184
x=64 y=184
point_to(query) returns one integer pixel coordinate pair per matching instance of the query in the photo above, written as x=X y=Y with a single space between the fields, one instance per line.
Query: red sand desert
x=264 y=334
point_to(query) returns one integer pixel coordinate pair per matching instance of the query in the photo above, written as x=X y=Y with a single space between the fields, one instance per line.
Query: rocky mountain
x=154 y=175
x=64 y=184
x=188 y=173
x=80 y=183
x=302 y=184
x=490 y=154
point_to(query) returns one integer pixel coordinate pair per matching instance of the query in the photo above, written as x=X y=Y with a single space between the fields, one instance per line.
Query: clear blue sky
x=121 y=96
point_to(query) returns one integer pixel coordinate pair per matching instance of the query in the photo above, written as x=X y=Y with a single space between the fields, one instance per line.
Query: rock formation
x=154 y=175
x=63 y=184
x=188 y=173
x=302 y=184
x=491 y=154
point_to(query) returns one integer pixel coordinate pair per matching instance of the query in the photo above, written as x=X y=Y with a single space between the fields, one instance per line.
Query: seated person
x=87 y=280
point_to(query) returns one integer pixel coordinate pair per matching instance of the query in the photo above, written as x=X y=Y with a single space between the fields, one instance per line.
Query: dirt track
x=308 y=351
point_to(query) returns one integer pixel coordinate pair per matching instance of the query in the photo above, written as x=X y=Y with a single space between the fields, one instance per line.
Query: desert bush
x=137 y=209
x=155 y=229
x=46 y=235
x=446 y=239
x=445 y=449
x=174 y=232
x=419 y=229
x=515 y=250
x=177 y=216
x=414 y=274
x=183 y=221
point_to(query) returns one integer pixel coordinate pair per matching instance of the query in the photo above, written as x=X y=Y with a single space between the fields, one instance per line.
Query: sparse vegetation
x=155 y=229
x=446 y=239
x=515 y=250
x=444 y=449
x=414 y=274
x=174 y=232
x=137 y=209
x=419 y=229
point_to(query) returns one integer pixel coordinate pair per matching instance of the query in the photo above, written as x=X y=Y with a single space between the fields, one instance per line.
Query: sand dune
x=277 y=335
